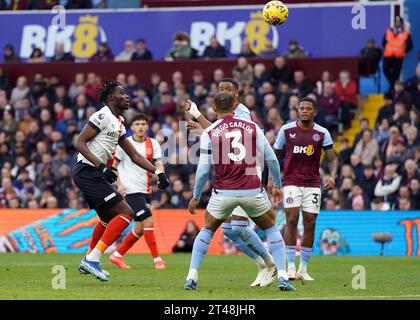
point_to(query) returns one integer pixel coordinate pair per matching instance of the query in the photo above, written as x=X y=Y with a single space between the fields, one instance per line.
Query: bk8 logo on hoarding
x=81 y=39
x=257 y=32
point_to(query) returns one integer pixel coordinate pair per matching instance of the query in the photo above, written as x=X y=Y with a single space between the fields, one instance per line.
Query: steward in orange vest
x=397 y=42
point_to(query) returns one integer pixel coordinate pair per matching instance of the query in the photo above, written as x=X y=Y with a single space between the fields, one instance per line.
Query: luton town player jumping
x=233 y=146
x=236 y=227
x=135 y=184
x=302 y=142
x=94 y=175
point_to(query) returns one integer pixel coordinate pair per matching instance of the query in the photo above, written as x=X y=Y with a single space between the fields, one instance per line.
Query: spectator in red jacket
x=92 y=85
x=346 y=90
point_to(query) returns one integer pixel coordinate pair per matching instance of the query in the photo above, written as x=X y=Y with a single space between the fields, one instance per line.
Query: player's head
x=112 y=94
x=139 y=125
x=307 y=109
x=229 y=85
x=224 y=102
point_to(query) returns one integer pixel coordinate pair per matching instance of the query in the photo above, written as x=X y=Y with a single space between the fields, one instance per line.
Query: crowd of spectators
x=40 y=119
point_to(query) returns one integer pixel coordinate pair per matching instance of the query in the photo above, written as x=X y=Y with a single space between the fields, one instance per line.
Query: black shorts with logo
x=140 y=203
x=98 y=192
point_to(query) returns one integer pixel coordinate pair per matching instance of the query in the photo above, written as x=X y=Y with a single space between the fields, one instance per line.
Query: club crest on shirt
x=101 y=116
x=316 y=137
x=289 y=200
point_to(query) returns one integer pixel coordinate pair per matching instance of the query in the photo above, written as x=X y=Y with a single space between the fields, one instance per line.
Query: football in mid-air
x=275 y=13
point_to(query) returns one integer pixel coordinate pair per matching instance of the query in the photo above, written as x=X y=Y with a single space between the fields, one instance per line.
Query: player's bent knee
x=148 y=222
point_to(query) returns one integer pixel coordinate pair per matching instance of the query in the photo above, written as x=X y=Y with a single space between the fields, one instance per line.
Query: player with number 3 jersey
x=302 y=143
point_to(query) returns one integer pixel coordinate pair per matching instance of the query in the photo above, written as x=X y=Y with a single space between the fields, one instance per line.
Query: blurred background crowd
x=40 y=118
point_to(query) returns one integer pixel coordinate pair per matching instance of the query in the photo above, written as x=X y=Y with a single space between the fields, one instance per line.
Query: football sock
x=291 y=254
x=277 y=248
x=96 y=235
x=249 y=237
x=305 y=255
x=193 y=274
x=112 y=232
x=129 y=240
x=149 y=236
x=241 y=245
x=200 y=247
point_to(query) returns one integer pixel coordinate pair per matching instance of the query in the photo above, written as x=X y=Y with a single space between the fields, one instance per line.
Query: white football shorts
x=309 y=199
x=221 y=207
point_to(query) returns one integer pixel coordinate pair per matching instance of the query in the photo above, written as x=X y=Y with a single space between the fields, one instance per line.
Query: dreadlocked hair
x=107 y=88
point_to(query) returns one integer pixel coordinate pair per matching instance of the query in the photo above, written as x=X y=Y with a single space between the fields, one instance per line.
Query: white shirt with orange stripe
x=133 y=178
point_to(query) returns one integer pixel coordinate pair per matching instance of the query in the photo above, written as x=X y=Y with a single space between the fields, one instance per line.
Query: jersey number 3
x=236 y=144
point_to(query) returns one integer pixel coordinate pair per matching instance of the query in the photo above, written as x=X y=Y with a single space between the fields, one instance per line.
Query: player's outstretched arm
x=88 y=133
x=142 y=162
x=332 y=165
x=192 y=109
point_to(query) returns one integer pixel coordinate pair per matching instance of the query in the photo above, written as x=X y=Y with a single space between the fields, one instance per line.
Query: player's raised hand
x=192 y=109
x=329 y=184
x=192 y=206
x=277 y=196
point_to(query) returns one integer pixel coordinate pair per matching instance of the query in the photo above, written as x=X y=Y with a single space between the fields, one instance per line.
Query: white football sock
x=95 y=255
x=193 y=274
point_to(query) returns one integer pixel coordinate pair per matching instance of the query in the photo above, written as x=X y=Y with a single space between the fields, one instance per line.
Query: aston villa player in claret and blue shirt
x=302 y=142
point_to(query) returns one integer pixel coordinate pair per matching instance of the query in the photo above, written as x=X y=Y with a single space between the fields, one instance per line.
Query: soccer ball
x=275 y=13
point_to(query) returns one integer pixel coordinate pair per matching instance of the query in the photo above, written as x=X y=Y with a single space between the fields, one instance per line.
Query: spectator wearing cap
x=294 y=50
x=127 y=53
x=370 y=57
x=396 y=42
x=388 y=186
x=9 y=55
x=142 y=52
x=367 y=148
x=214 y=50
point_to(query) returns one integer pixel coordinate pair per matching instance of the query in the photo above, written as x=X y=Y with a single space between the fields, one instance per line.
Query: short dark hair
x=224 y=102
x=230 y=80
x=307 y=99
x=141 y=40
x=107 y=88
x=139 y=117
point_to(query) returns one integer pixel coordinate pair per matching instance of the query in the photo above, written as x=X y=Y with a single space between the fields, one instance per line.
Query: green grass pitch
x=29 y=276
